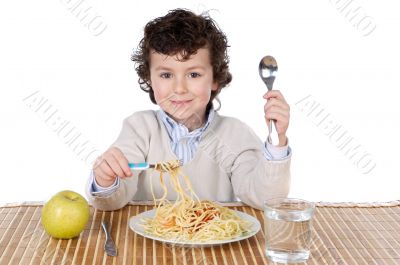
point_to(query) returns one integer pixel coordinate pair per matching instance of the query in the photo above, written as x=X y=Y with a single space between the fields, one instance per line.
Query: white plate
x=136 y=222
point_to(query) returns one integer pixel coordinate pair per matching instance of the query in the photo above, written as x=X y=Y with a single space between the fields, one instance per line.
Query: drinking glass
x=288 y=225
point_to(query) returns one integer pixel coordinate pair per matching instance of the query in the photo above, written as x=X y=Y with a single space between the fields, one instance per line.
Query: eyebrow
x=197 y=67
x=163 y=68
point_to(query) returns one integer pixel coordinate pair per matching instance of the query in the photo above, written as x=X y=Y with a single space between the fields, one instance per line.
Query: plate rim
x=256 y=227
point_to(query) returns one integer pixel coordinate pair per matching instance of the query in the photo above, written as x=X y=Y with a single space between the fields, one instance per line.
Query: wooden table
x=343 y=234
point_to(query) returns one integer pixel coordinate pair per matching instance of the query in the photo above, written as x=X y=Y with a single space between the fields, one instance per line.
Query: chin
x=180 y=113
x=185 y=117
x=181 y=118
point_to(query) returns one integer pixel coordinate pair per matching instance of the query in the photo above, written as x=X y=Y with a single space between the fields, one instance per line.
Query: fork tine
x=180 y=162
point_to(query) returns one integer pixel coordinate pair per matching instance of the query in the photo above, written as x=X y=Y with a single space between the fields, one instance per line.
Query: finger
x=281 y=118
x=284 y=114
x=280 y=128
x=97 y=162
x=278 y=117
x=106 y=170
x=123 y=163
x=99 y=174
x=274 y=94
x=115 y=167
x=274 y=108
x=276 y=103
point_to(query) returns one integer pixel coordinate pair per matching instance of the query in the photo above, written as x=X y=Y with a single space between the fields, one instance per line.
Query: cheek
x=158 y=95
x=156 y=89
x=206 y=93
x=161 y=92
x=203 y=95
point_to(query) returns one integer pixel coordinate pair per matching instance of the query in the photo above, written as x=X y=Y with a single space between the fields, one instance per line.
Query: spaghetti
x=189 y=219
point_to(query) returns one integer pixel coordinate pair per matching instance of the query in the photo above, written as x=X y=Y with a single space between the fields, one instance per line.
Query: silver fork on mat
x=109 y=245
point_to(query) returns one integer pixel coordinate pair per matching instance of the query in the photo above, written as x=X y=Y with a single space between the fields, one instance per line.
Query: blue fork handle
x=138 y=166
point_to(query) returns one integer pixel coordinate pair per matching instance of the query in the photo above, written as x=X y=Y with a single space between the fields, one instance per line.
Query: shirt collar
x=172 y=126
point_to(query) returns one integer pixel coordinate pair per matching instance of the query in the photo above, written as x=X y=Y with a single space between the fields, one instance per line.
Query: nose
x=180 y=86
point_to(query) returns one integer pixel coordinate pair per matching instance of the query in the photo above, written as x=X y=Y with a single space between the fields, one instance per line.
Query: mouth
x=180 y=102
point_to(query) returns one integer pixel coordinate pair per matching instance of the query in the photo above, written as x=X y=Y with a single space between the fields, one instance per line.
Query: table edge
x=318 y=204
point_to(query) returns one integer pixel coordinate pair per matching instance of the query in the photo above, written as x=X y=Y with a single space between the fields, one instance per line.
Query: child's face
x=183 y=88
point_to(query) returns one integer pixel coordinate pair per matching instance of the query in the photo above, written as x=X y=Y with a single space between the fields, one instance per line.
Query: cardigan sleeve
x=133 y=143
x=254 y=178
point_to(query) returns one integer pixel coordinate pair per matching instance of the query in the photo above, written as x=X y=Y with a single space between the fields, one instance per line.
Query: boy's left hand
x=277 y=109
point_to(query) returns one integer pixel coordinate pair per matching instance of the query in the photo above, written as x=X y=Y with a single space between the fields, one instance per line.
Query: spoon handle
x=272 y=133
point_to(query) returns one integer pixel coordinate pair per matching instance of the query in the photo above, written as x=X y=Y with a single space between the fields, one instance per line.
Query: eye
x=194 y=75
x=166 y=75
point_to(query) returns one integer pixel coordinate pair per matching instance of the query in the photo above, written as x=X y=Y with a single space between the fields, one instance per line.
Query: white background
x=91 y=83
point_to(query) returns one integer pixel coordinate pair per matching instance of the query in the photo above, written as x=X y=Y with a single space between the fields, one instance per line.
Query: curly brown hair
x=183 y=32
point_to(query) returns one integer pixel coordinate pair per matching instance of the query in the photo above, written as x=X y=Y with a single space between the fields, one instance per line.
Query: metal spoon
x=267 y=70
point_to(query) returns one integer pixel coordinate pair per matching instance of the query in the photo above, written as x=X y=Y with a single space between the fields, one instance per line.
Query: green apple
x=65 y=215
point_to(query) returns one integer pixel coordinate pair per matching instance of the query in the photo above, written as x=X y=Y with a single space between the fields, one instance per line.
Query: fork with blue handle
x=145 y=165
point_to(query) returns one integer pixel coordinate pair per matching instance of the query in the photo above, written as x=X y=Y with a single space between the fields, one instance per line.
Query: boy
x=182 y=63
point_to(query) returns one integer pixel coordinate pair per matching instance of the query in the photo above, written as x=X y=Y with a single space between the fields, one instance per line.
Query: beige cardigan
x=228 y=164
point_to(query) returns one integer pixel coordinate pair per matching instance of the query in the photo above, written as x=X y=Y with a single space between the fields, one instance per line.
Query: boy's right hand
x=108 y=166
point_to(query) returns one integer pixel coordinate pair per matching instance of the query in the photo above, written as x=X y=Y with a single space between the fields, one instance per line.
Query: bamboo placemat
x=344 y=233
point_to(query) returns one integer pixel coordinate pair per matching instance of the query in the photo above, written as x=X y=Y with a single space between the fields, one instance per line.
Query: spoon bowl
x=267 y=69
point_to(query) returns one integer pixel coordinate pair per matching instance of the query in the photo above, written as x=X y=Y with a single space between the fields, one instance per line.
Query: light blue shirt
x=184 y=145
